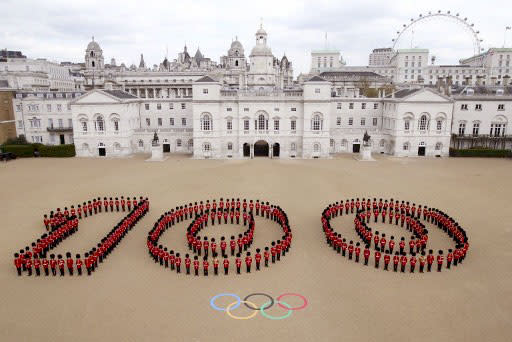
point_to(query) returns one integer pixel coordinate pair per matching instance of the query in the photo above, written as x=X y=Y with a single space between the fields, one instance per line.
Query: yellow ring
x=239 y=317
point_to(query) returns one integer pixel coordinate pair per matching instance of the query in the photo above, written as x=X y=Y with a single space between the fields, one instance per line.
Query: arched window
x=317 y=123
x=93 y=64
x=262 y=122
x=99 y=124
x=423 y=123
x=92 y=53
x=206 y=122
x=115 y=123
x=117 y=147
x=236 y=63
x=141 y=144
x=407 y=125
x=316 y=147
x=439 y=146
x=406 y=146
x=230 y=146
x=439 y=124
x=84 y=125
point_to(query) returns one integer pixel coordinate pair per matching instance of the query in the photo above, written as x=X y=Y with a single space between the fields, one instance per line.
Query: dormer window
x=470 y=91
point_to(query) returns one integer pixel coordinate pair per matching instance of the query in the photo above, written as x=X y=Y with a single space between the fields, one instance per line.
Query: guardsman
x=358 y=251
x=257 y=258
x=196 y=265
x=226 y=265
x=215 y=265
x=248 y=262
x=350 y=250
x=232 y=245
x=46 y=222
x=166 y=257
x=411 y=245
x=387 y=259
x=78 y=263
x=376 y=239
x=213 y=246
x=223 y=246
x=187 y=263
x=172 y=259
x=238 y=262
x=17 y=263
x=377 y=256
x=403 y=262
x=111 y=204
x=240 y=243
x=123 y=203
x=266 y=256
x=28 y=265
x=178 y=263
x=391 y=244
x=396 y=259
x=45 y=263
x=60 y=263
x=87 y=262
x=105 y=204
x=128 y=203
x=273 y=252
x=422 y=261
x=366 y=254
x=382 y=242
x=449 y=258
x=206 y=246
x=412 y=261
x=402 y=245
x=69 y=262
x=430 y=260
x=440 y=259
x=344 y=247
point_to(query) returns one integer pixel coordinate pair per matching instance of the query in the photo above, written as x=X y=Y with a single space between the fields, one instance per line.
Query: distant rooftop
x=325 y=51
x=328 y=74
x=412 y=50
x=11 y=54
x=120 y=94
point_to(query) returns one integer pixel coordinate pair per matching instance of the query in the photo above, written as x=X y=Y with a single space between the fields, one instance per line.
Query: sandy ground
x=131 y=299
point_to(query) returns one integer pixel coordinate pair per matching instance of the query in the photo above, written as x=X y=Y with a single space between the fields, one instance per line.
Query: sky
x=60 y=30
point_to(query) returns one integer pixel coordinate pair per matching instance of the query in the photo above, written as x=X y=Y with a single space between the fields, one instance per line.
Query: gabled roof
x=206 y=79
x=422 y=94
x=120 y=94
x=317 y=79
x=104 y=96
x=405 y=92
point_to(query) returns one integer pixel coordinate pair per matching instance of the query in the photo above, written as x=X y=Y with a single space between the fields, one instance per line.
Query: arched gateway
x=261 y=148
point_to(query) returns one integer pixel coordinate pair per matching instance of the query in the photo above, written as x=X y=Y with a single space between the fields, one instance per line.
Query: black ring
x=259 y=294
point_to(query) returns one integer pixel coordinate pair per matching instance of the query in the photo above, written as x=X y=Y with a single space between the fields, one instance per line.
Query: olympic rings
x=288 y=314
x=296 y=295
x=267 y=305
x=239 y=317
x=214 y=298
x=271 y=301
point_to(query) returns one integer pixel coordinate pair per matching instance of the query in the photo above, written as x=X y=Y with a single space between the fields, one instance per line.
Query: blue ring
x=214 y=298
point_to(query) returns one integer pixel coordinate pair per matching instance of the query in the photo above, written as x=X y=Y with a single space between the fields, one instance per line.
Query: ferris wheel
x=455 y=18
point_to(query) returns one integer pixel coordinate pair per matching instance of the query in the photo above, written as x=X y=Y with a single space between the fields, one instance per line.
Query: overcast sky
x=61 y=29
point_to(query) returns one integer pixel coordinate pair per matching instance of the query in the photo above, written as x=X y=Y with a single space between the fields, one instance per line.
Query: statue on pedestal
x=366 y=139
x=154 y=142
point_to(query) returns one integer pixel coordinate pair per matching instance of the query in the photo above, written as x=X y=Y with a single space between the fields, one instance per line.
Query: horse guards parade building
x=247 y=106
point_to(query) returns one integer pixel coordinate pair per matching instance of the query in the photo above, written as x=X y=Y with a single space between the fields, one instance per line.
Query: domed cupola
x=94 y=56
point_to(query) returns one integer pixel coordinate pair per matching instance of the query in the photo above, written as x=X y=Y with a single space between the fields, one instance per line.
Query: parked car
x=5 y=156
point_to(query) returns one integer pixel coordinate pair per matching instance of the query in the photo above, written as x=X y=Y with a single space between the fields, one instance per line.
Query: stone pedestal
x=157 y=153
x=365 y=154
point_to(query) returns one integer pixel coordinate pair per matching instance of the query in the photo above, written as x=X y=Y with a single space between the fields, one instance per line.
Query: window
x=316 y=147
x=229 y=124
x=183 y=106
x=206 y=147
x=84 y=126
x=501 y=107
x=317 y=90
x=363 y=121
x=375 y=106
x=246 y=125
x=246 y=109
x=350 y=121
x=276 y=125
x=20 y=123
x=497 y=130
x=406 y=146
x=229 y=109
x=59 y=108
x=50 y=123
x=439 y=146
x=462 y=128
x=476 y=128
x=407 y=125
x=116 y=125
x=338 y=105
x=171 y=105
x=363 y=105
x=464 y=106
x=205 y=91
x=60 y=123
x=439 y=125
x=262 y=123
x=293 y=125
x=178 y=143
x=423 y=123
x=141 y=143
x=338 y=121
x=159 y=121
x=206 y=123
x=37 y=139
x=183 y=121
x=146 y=105
x=48 y=107
x=375 y=121
x=159 y=106
x=230 y=146
x=332 y=143
x=171 y=121
x=18 y=108
x=317 y=123
x=276 y=109
x=148 y=122
x=293 y=109
x=478 y=106
x=351 y=105
x=99 y=124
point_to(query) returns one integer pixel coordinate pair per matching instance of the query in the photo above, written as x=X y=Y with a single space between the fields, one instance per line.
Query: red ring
x=292 y=294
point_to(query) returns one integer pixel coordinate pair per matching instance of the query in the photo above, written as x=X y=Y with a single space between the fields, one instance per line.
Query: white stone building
x=44 y=117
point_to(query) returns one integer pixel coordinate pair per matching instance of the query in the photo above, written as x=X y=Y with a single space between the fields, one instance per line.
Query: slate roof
x=490 y=91
x=120 y=94
x=350 y=73
x=404 y=93
x=316 y=79
x=206 y=79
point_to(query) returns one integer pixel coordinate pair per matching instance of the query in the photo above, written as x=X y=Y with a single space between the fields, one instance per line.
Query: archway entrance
x=421 y=150
x=166 y=147
x=261 y=149
x=356 y=147
x=276 y=149
x=102 y=152
x=247 y=150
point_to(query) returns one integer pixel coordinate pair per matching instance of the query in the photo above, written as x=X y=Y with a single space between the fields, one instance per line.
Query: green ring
x=262 y=310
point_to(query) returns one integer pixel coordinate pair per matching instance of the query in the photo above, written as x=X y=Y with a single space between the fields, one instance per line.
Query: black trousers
x=216 y=270
x=366 y=261
x=238 y=269
x=226 y=270
x=248 y=268
x=257 y=266
x=395 y=267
